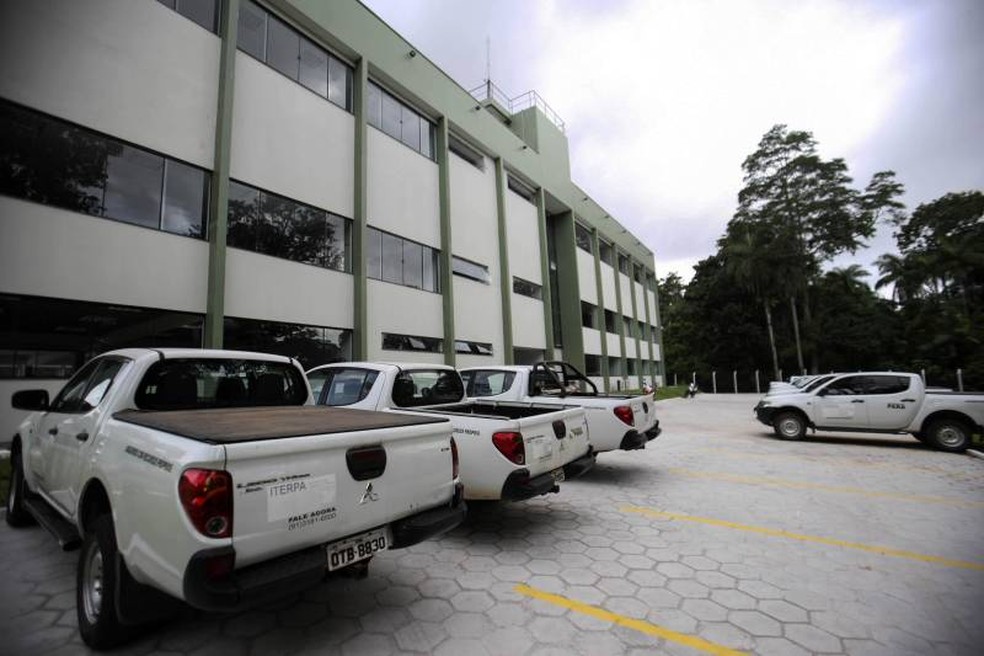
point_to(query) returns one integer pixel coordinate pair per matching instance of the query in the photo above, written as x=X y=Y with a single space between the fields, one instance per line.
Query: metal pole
x=734 y=375
x=758 y=390
x=714 y=381
x=960 y=380
x=780 y=375
x=922 y=373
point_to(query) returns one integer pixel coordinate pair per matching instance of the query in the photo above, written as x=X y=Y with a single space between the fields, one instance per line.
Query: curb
x=975 y=453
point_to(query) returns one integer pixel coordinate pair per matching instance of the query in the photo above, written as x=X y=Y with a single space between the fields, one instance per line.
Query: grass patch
x=671 y=392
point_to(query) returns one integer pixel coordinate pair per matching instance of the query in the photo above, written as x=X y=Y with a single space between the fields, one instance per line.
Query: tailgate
x=545 y=451
x=298 y=492
x=643 y=412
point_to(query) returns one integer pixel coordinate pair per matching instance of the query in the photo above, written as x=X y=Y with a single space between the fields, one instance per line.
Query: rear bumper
x=579 y=466
x=296 y=571
x=633 y=440
x=653 y=431
x=520 y=486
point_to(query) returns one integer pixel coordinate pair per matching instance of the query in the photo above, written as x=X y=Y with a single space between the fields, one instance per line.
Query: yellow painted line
x=885 y=551
x=802 y=485
x=629 y=623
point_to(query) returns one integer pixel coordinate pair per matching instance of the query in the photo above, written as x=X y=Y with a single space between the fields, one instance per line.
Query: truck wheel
x=17 y=514
x=949 y=435
x=95 y=591
x=789 y=426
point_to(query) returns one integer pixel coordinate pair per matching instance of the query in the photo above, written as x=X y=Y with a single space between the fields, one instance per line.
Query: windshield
x=193 y=383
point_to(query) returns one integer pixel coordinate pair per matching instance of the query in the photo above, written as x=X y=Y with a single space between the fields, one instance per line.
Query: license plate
x=352 y=550
x=558 y=475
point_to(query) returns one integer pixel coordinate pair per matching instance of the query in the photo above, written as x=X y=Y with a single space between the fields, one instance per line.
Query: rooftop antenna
x=488 y=67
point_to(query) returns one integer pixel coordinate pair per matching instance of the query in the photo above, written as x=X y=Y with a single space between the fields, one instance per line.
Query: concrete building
x=291 y=176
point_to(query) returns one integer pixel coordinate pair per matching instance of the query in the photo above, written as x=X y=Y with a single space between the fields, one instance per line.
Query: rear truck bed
x=315 y=490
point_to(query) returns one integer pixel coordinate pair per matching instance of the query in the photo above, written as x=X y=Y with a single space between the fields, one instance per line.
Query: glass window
x=133 y=186
x=527 y=288
x=887 y=384
x=272 y=225
x=588 y=315
x=309 y=345
x=585 y=241
x=283 y=48
x=342 y=386
x=69 y=399
x=847 y=386
x=606 y=252
x=412 y=264
x=398 y=342
x=374 y=106
x=337 y=241
x=592 y=365
x=624 y=264
x=472 y=348
x=251 y=37
x=392 y=258
x=340 y=84
x=471 y=270
x=424 y=387
x=633 y=365
x=492 y=382
x=203 y=12
x=611 y=322
x=432 y=268
x=410 y=128
x=374 y=254
x=100 y=383
x=244 y=208
x=184 y=199
x=426 y=138
x=614 y=366
x=392 y=116
x=313 y=71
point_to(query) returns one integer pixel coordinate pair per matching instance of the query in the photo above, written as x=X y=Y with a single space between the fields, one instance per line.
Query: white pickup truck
x=615 y=421
x=876 y=402
x=509 y=451
x=207 y=477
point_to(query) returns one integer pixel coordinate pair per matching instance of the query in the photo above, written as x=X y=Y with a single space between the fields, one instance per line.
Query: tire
x=789 y=426
x=17 y=515
x=947 y=434
x=96 y=587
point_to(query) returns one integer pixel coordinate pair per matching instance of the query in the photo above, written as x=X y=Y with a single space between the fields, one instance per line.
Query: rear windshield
x=190 y=383
x=427 y=387
x=487 y=382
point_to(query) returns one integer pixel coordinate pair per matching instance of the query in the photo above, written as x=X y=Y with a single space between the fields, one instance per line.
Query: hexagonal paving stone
x=783 y=610
x=468 y=625
x=397 y=595
x=726 y=635
x=704 y=610
x=551 y=629
x=700 y=563
x=689 y=589
x=509 y=641
x=431 y=610
x=617 y=587
x=420 y=636
x=441 y=588
x=660 y=598
x=814 y=639
x=479 y=564
x=608 y=568
x=755 y=623
x=513 y=573
x=675 y=571
x=715 y=580
x=781 y=647
x=476 y=601
x=734 y=599
x=760 y=589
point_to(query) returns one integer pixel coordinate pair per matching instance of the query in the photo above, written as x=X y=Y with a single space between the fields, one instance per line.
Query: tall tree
x=792 y=191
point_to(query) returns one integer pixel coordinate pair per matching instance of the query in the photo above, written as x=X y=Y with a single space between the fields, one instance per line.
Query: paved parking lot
x=716 y=539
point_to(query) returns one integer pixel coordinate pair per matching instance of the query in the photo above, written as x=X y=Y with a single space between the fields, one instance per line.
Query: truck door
x=69 y=426
x=891 y=404
x=842 y=403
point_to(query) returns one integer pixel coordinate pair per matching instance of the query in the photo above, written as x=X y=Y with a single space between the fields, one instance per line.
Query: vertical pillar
x=565 y=243
x=635 y=314
x=619 y=305
x=444 y=205
x=218 y=215
x=360 y=219
x=505 y=277
x=541 y=214
x=648 y=332
x=600 y=290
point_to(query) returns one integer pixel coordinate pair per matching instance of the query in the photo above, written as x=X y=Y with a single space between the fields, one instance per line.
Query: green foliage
x=797 y=211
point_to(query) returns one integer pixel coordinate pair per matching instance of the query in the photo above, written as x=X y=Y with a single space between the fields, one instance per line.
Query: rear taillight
x=624 y=413
x=206 y=496
x=366 y=462
x=511 y=445
x=454 y=459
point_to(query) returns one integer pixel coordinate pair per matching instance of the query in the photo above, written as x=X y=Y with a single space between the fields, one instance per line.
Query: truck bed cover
x=226 y=425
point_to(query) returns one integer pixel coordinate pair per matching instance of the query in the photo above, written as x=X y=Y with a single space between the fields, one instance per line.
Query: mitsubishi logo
x=368 y=495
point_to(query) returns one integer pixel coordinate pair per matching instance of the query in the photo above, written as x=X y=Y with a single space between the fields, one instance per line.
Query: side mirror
x=30 y=400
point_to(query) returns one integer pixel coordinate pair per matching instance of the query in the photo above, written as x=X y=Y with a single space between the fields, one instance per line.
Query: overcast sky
x=663 y=100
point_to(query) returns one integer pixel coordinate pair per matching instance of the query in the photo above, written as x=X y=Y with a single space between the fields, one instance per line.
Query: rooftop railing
x=489 y=91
